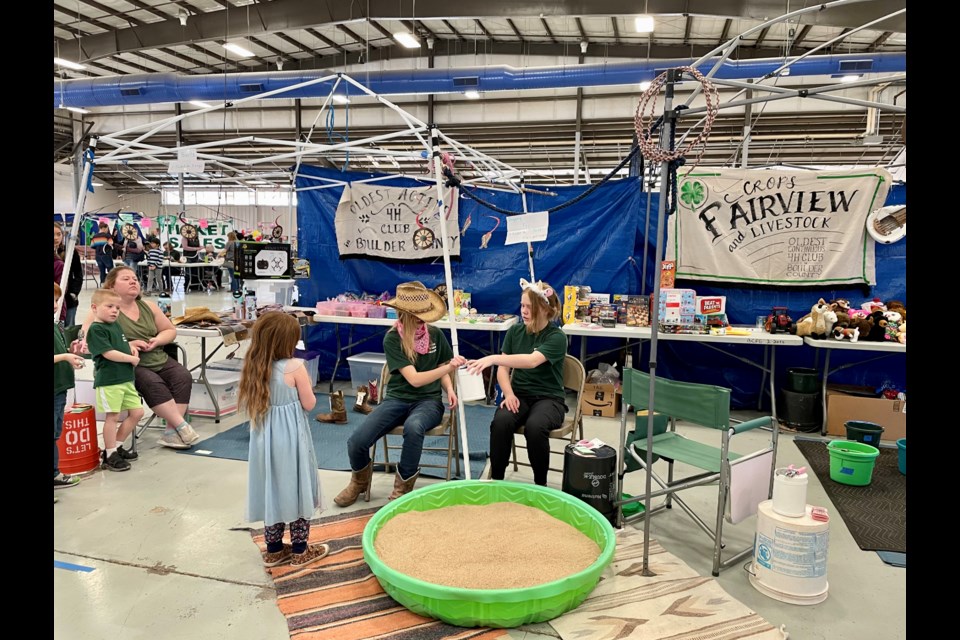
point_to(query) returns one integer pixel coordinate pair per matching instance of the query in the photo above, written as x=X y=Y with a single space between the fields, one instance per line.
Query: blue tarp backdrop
x=597 y=242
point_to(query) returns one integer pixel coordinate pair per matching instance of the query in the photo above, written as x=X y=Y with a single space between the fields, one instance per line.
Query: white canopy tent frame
x=666 y=132
x=426 y=148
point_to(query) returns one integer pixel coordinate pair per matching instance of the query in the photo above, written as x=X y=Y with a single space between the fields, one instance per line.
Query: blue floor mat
x=330 y=441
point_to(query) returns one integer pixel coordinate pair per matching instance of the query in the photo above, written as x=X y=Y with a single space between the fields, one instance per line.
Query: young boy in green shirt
x=64 y=363
x=113 y=362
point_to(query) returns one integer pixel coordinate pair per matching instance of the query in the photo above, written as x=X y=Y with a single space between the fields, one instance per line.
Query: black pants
x=538 y=415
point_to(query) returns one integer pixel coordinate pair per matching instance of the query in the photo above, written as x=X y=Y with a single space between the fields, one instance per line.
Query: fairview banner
x=793 y=228
x=395 y=222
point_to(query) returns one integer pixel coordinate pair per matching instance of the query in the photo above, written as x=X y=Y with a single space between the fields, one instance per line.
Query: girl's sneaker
x=313 y=553
x=276 y=558
x=63 y=481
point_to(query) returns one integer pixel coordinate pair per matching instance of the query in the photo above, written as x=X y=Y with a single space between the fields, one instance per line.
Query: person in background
x=154 y=267
x=133 y=253
x=533 y=397
x=283 y=484
x=74 y=280
x=420 y=362
x=193 y=252
x=172 y=256
x=114 y=360
x=164 y=383
x=102 y=245
x=64 y=363
x=228 y=254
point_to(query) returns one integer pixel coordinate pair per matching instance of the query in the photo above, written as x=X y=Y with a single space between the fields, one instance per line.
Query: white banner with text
x=792 y=228
x=397 y=223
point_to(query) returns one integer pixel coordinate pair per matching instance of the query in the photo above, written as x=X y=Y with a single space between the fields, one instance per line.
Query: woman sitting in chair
x=164 y=383
x=533 y=398
x=420 y=362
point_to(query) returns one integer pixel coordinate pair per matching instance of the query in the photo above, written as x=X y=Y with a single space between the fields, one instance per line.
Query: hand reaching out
x=456 y=362
x=477 y=366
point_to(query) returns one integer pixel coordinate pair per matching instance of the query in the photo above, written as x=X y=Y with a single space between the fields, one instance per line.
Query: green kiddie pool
x=492 y=607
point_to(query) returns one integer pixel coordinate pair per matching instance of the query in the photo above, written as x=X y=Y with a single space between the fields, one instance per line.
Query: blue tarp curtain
x=597 y=242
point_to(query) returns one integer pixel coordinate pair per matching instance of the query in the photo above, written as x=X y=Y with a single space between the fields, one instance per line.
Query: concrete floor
x=171 y=556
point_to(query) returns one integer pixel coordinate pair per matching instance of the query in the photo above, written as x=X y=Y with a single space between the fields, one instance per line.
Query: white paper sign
x=530 y=227
x=186 y=154
x=185 y=166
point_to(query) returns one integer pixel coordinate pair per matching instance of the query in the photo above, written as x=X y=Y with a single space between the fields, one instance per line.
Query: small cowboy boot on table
x=363 y=396
x=338 y=412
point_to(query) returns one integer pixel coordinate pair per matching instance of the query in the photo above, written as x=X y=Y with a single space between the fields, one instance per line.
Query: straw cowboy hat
x=197 y=314
x=416 y=299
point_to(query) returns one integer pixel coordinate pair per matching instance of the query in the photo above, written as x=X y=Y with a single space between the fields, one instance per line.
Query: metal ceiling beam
x=546 y=26
x=515 y=30
x=263 y=45
x=117 y=59
x=151 y=10
x=193 y=61
x=379 y=27
x=761 y=36
x=291 y=41
x=725 y=34
x=453 y=30
x=484 y=30
x=287 y=15
x=876 y=44
x=425 y=29
x=687 y=27
x=322 y=38
x=355 y=36
x=802 y=35
x=616 y=30
x=161 y=62
x=583 y=33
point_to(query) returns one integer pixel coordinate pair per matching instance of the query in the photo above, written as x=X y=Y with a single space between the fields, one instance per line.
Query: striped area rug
x=339 y=598
x=675 y=604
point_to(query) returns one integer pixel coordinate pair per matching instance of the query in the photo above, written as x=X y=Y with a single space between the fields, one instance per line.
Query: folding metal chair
x=447 y=429
x=707 y=406
x=574 y=377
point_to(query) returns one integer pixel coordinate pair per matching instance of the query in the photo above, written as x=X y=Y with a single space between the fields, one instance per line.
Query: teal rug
x=330 y=441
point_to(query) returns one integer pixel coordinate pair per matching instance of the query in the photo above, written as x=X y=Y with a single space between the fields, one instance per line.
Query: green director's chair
x=708 y=406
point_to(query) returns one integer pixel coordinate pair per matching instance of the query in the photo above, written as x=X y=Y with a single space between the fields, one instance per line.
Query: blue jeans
x=59 y=404
x=416 y=417
x=105 y=262
x=71 y=317
x=234 y=281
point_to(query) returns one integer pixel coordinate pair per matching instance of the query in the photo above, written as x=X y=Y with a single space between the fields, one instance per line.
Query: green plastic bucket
x=902 y=455
x=492 y=607
x=803 y=380
x=865 y=432
x=852 y=462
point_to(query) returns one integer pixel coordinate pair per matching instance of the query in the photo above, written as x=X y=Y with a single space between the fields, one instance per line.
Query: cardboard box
x=889 y=414
x=600 y=400
x=668 y=274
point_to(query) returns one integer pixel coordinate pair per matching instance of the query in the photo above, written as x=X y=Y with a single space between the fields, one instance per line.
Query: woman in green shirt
x=164 y=383
x=420 y=362
x=533 y=397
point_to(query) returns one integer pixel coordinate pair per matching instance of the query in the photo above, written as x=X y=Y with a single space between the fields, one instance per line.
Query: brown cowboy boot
x=338 y=413
x=363 y=396
x=359 y=483
x=401 y=486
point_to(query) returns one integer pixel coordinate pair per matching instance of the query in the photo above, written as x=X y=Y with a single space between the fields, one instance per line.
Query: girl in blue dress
x=283 y=486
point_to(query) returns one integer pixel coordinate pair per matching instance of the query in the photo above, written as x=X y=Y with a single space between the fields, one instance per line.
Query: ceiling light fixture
x=406 y=39
x=96 y=184
x=339 y=98
x=471 y=94
x=77 y=109
x=238 y=50
x=644 y=85
x=644 y=23
x=851 y=77
x=200 y=103
x=148 y=182
x=68 y=64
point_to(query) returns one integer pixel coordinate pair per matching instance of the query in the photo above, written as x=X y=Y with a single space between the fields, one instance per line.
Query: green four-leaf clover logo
x=692 y=193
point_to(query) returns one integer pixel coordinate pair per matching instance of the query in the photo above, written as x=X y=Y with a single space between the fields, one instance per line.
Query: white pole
x=72 y=236
x=455 y=343
x=523 y=197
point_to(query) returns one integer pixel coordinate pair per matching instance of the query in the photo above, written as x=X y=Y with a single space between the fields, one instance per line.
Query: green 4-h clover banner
x=396 y=223
x=793 y=228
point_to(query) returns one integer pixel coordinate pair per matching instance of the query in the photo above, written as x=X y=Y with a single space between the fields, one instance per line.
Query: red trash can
x=78 y=445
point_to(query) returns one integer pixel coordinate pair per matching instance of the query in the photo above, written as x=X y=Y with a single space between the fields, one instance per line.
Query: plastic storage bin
x=225 y=385
x=311 y=361
x=365 y=367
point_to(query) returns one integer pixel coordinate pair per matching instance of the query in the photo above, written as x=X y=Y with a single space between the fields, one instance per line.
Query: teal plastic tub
x=492 y=607
x=852 y=462
x=902 y=455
